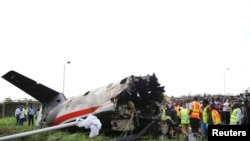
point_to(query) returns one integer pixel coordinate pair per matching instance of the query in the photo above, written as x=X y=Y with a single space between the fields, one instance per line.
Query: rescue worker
x=236 y=115
x=25 y=110
x=164 y=115
x=92 y=123
x=194 y=115
x=166 y=121
x=177 y=109
x=184 y=120
x=215 y=115
x=205 y=118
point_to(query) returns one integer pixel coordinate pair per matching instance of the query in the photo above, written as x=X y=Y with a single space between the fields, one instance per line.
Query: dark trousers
x=31 y=119
x=226 y=117
x=195 y=124
x=17 y=120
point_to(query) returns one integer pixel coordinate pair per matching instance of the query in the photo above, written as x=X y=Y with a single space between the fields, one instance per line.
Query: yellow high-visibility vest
x=184 y=116
x=233 y=117
x=204 y=115
x=163 y=114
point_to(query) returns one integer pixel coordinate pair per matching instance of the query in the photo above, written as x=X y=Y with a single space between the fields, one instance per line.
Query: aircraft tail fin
x=38 y=91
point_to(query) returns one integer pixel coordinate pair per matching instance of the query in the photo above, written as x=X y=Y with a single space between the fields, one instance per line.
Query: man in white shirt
x=17 y=113
x=226 y=112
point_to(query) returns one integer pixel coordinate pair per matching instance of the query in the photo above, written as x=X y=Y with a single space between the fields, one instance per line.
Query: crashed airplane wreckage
x=130 y=105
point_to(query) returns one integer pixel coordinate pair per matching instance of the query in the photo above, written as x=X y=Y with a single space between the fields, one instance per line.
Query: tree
x=7 y=99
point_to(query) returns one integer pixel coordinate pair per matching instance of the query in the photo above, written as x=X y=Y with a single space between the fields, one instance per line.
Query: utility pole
x=64 y=71
x=225 y=80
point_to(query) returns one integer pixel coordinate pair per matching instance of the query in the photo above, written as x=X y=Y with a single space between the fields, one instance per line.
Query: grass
x=9 y=127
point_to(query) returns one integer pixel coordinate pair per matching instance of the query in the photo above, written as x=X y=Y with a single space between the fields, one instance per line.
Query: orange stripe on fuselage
x=74 y=115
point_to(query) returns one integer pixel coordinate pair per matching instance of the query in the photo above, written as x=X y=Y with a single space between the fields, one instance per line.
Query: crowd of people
x=194 y=115
x=23 y=114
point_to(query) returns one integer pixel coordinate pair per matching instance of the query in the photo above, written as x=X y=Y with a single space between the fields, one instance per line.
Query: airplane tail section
x=38 y=91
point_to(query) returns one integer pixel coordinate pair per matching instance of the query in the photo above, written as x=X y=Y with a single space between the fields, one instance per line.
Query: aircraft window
x=86 y=93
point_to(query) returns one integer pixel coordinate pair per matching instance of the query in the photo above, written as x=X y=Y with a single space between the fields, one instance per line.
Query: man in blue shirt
x=31 y=115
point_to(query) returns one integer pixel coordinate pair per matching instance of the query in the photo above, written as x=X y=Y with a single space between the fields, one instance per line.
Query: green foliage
x=7 y=99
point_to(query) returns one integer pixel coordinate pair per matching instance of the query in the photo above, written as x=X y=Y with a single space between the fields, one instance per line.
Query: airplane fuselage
x=96 y=101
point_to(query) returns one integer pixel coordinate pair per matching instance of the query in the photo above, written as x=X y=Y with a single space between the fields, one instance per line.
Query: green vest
x=184 y=116
x=25 y=111
x=233 y=117
x=204 y=115
x=163 y=115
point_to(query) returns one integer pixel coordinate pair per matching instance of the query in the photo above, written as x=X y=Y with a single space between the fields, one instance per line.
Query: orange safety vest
x=216 y=117
x=196 y=110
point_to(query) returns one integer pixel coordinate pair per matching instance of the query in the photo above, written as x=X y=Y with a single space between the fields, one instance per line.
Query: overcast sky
x=188 y=44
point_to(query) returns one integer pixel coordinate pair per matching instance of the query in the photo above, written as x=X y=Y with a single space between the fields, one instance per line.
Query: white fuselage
x=95 y=101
